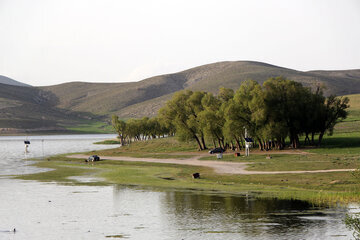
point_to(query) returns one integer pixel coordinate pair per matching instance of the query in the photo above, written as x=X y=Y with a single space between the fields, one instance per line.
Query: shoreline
x=158 y=175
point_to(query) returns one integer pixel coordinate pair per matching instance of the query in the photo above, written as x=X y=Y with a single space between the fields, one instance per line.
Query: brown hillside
x=33 y=108
x=145 y=97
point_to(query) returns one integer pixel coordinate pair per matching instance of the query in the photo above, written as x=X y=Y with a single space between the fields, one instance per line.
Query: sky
x=48 y=42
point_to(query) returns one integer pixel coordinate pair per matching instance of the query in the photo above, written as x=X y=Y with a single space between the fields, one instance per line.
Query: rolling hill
x=145 y=97
x=32 y=109
x=9 y=81
x=70 y=104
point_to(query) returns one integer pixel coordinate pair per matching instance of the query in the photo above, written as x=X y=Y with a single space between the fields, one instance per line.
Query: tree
x=225 y=94
x=277 y=110
x=245 y=110
x=333 y=111
x=120 y=127
x=182 y=110
x=211 y=120
x=286 y=105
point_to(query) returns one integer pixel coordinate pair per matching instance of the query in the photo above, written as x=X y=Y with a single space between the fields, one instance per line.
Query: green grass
x=60 y=173
x=91 y=127
x=108 y=142
x=292 y=162
x=141 y=155
x=352 y=123
x=340 y=143
x=319 y=188
x=158 y=145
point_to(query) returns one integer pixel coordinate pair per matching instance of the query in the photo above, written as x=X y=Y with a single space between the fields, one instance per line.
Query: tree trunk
x=198 y=142
x=297 y=141
x=203 y=142
x=307 y=139
x=219 y=141
x=261 y=146
x=232 y=145
x=321 y=137
x=312 y=138
x=122 y=141
x=214 y=143
x=238 y=144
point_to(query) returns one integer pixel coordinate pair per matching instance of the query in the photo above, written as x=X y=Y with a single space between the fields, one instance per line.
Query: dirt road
x=218 y=166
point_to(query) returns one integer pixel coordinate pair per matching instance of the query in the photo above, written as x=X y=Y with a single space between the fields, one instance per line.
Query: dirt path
x=219 y=166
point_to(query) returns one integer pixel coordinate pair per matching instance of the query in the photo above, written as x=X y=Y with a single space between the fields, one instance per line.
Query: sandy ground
x=218 y=166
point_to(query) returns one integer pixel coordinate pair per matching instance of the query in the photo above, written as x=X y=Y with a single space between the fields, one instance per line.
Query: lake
x=54 y=211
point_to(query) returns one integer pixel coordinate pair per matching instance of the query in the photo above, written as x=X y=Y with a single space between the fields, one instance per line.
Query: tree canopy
x=273 y=112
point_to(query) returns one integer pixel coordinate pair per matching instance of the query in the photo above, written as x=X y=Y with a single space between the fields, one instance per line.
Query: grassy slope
x=346 y=137
x=34 y=109
x=87 y=126
x=27 y=107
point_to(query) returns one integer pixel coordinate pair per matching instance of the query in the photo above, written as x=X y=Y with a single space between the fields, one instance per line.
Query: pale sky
x=47 y=42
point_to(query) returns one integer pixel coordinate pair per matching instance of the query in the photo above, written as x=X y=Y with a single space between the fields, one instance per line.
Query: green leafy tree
x=211 y=119
x=286 y=105
x=333 y=111
x=225 y=94
x=182 y=111
x=120 y=128
x=245 y=110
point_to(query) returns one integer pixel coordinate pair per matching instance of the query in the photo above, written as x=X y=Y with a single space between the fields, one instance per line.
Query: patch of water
x=12 y=149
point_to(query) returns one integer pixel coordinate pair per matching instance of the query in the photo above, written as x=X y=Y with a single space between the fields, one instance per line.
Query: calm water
x=12 y=149
x=52 y=211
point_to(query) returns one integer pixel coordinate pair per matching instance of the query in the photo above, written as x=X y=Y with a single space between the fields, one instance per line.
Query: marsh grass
x=109 y=142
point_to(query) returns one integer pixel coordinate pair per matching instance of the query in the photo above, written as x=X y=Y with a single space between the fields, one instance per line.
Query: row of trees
x=273 y=112
x=277 y=110
x=139 y=129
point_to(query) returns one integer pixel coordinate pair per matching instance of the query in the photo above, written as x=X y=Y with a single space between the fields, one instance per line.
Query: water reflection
x=51 y=211
x=245 y=217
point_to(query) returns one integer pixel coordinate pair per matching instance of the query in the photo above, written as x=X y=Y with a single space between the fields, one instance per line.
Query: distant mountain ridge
x=9 y=81
x=71 y=103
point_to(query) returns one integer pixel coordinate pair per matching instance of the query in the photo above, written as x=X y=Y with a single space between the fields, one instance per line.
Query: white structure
x=27 y=143
x=248 y=144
